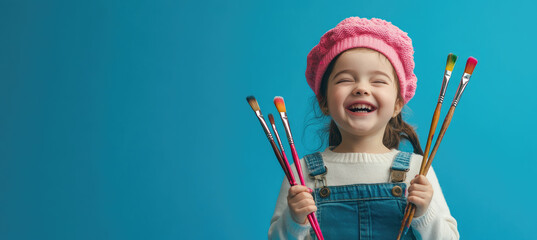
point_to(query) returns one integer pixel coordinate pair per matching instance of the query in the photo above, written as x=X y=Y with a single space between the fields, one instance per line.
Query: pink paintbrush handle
x=318 y=232
x=292 y=181
x=297 y=164
x=311 y=217
x=313 y=220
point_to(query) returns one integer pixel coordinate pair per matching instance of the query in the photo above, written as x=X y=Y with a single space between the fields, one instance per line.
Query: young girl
x=362 y=75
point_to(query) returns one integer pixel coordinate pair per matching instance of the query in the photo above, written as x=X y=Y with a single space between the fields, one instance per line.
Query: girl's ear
x=398 y=107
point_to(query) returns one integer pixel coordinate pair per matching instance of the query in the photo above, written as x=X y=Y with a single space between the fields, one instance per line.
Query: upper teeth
x=361 y=106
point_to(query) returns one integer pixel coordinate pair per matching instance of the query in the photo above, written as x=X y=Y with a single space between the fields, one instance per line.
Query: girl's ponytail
x=334 y=136
x=396 y=129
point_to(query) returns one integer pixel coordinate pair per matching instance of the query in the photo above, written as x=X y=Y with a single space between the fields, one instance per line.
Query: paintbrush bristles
x=450 y=64
x=470 y=65
x=271 y=119
x=280 y=104
x=253 y=103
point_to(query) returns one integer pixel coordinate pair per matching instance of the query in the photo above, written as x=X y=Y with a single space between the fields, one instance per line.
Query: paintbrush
x=450 y=64
x=280 y=105
x=285 y=161
x=255 y=106
x=469 y=69
x=447 y=75
x=470 y=65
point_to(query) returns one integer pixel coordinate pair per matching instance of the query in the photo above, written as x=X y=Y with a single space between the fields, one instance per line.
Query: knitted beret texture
x=376 y=34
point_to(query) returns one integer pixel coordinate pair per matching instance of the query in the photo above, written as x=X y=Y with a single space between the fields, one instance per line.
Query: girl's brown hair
x=396 y=129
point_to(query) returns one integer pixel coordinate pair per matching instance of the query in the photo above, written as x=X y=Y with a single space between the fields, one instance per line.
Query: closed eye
x=380 y=81
x=344 y=80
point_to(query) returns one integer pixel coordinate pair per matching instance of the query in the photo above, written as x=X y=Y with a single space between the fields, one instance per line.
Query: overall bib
x=360 y=211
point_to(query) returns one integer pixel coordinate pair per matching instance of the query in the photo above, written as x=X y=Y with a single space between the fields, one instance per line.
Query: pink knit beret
x=375 y=34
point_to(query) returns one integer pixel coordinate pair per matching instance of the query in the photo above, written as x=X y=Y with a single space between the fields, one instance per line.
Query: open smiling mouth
x=361 y=108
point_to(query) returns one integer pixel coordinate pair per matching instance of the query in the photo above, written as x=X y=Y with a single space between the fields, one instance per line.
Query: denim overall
x=360 y=211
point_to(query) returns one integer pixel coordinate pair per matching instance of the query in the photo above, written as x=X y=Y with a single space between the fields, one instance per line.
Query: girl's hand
x=420 y=193
x=300 y=203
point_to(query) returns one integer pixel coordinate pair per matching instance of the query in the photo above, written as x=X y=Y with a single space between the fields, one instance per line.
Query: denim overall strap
x=402 y=161
x=317 y=171
x=315 y=164
x=400 y=166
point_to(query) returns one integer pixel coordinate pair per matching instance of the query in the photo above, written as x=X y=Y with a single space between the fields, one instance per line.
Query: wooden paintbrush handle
x=410 y=208
x=445 y=125
x=403 y=223
x=409 y=213
x=434 y=122
x=411 y=216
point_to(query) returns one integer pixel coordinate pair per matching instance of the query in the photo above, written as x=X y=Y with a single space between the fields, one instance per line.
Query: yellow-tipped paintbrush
x=450 y=64
x=469 y=69
x=470 y=65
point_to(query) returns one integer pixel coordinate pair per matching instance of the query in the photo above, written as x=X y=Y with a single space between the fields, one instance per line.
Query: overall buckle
x=321 y=179
x=398 y=175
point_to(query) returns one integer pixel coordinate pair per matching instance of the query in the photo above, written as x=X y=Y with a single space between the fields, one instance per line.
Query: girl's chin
x=361 y=131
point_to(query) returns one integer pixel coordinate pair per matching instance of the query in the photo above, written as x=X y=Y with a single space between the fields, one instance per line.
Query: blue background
x=128 y=119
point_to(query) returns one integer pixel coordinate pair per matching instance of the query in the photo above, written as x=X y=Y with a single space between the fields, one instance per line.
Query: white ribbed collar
x=352 y=157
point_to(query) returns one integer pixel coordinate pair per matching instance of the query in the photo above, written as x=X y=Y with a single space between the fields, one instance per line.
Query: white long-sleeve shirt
x=357 y=168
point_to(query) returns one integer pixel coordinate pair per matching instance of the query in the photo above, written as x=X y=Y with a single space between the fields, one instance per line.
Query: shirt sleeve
x=437 y=222
x=282 y=225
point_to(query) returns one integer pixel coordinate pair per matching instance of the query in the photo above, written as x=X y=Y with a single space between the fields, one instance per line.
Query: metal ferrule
x=447 y=76
x=464 y=81
x=264 y=124
x=285 y=122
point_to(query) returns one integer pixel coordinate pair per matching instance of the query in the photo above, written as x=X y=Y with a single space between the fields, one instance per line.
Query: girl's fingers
x=300 y=202
x=308 y=209
x=294 y=190
x=301 y=209
x=417 y=201
x=419 y=187
x=421 y=200
x=422 y=195
x=420 y=179
x=304 y=203
x=300 y=196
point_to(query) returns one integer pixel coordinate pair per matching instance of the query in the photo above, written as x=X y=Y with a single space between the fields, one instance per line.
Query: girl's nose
x=361 y=90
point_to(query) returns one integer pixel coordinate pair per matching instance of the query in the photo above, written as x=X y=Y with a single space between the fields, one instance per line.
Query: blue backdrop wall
x=128 y=119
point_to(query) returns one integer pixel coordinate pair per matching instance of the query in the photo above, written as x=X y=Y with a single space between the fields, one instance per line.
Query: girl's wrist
x=293 y=225
x=425 y=218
